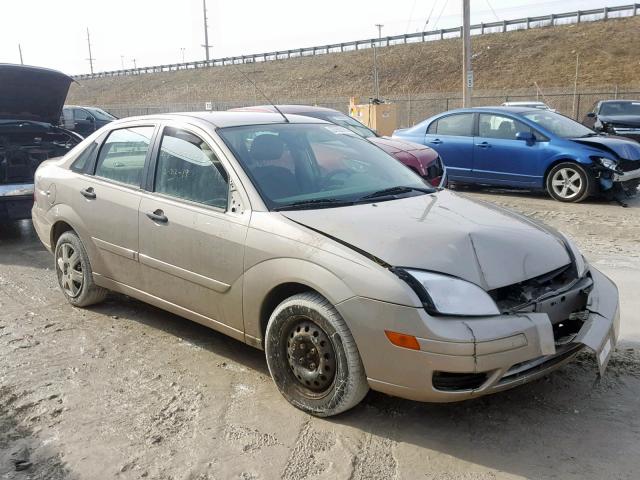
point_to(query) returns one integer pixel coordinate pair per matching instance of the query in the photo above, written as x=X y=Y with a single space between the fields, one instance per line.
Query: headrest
x=267 y=147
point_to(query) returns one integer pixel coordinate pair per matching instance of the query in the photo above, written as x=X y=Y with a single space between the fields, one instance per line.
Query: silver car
x=300 y=238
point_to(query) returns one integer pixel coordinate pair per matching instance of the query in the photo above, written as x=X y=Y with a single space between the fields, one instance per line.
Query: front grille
x=452 y=381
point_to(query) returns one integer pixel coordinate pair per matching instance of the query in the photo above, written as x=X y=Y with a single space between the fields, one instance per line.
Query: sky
x=53 y=33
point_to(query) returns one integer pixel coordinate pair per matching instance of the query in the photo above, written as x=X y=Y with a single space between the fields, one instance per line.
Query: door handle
x=483 y=145
x=158 y=216
x=88 y=193
x=437 y=141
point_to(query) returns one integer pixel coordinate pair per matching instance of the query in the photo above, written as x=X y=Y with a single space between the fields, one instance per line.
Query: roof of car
x=515 y=104
x=509 y=109
x=230 y=119
x=620 y=101
x=284 y=109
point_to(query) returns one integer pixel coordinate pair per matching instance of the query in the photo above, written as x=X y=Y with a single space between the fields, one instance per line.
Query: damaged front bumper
x=626 y=176
x=461 y=358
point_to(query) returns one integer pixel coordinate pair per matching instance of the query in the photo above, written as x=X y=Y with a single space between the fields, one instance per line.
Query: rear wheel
x=75 y=276
x=569 y=182
x=312 y=356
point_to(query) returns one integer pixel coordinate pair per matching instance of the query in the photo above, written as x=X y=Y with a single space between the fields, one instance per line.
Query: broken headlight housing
x=578 y=259
x=446 y=295
x=607 y=163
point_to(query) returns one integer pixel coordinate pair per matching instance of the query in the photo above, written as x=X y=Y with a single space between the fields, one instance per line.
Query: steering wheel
x=329 y=177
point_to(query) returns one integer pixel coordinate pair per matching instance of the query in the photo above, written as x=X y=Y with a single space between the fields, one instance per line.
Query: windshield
x=559 y=125
x=317 y=165
x=344 y=121
x=101 y=114
x=620 y=108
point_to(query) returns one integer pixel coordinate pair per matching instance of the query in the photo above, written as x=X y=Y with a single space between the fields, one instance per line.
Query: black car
x=31 y=100
x=616 y=117
x=84 y=120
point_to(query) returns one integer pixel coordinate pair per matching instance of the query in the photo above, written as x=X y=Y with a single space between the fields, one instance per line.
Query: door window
x=80 y=114
x=188 y=169
x=123 y=154
x=497 y=126
x=460 y=125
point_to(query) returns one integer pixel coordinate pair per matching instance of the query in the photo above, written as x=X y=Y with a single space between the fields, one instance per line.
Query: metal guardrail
x=481 y=28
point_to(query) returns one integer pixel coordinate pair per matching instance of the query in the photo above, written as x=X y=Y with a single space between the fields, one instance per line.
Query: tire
x=329 y=377
x=75 y=276
x=569 y=182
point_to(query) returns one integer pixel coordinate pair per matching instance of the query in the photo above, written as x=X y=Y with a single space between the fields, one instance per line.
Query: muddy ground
x=127 y=391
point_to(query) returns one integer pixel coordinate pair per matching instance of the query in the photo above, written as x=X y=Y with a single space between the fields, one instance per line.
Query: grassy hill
x=609 y=56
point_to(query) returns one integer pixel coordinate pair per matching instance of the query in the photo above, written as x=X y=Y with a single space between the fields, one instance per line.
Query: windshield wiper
x=395 y=191
x=315 y=203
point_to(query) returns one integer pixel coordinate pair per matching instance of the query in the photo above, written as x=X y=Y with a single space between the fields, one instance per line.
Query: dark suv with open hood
x=31 y=100
x=617 y=117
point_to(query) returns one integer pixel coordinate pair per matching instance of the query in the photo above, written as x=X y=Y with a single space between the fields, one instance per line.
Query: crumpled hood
x=444 y=232
x=32 y=93
x=620 y=146
x=630 y=120
x=392 y=145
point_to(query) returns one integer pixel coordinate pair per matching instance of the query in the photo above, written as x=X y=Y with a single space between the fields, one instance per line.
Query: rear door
x=191 y=233
x=107 y=200
x=499 y=158
x=452 y=137
x=83 y=122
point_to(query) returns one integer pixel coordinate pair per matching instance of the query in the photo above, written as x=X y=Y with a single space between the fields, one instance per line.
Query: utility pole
x=182 y=51
x=91 y=59
x=20 y=50
x=375 y=61
x=134 y=64
x=122 y=61
x=206 y=30
x=575 y=86
x=467 y=72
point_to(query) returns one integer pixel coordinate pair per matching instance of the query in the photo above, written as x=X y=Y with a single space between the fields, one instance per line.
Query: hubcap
x=566 y=183
x=310 y=355
x=69 y=268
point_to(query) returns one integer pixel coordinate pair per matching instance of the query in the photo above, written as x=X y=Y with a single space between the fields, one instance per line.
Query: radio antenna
x=261 y=92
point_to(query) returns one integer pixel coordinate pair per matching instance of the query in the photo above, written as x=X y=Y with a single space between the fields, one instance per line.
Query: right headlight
x=446 y=295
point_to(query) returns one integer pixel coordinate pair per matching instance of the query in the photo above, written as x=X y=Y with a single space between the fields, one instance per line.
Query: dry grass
x=502 y=62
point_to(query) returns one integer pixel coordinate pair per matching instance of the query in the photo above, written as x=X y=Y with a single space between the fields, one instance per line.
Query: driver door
x=191 y=239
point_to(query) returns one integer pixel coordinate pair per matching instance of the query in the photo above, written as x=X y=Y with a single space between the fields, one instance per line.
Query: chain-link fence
x=412 y=108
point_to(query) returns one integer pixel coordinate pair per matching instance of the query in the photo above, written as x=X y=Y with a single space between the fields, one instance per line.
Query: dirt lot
x=124 y=390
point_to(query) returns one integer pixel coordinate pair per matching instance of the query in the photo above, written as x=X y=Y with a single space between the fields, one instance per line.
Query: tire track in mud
x=306 y=458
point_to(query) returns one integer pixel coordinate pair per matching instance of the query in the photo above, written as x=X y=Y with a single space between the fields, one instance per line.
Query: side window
x=460 y=125
x=80 y=114
x=123 y=154
x=497 y=126
x=433 y=128
x=187 y=168
x=87 y=154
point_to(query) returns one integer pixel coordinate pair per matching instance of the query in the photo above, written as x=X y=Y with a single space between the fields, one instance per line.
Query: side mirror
x=526 y=136
x=591 y=115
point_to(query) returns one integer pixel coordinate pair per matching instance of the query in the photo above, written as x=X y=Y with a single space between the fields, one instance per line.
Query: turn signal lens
x=403 y=340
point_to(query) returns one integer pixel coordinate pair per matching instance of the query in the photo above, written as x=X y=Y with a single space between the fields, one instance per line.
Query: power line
x=439 y=16
x=410 y=16
x=494 y=12
x=424 y=28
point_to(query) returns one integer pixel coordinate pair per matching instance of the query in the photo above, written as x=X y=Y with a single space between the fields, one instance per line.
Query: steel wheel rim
x=310 y=356
x=566 y=183
x=69 y=267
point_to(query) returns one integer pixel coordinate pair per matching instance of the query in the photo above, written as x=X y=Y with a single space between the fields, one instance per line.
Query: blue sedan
x=529 y=148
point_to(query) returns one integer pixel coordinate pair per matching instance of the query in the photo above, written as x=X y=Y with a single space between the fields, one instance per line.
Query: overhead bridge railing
x=598 y=14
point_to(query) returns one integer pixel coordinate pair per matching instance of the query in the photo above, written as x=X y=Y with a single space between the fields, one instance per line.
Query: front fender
x=264 y=277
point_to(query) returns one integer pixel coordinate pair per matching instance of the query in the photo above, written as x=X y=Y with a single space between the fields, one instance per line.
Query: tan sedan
x=296 y=236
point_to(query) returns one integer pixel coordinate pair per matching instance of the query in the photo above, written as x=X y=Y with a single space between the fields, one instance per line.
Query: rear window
x=123 y=154
x=460 y=125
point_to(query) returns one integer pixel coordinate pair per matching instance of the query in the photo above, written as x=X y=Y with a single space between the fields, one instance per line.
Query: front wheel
x=312 y=356
x=569 y=182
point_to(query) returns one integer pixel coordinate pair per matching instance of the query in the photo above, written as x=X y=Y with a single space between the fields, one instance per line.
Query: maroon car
x=421 y=159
